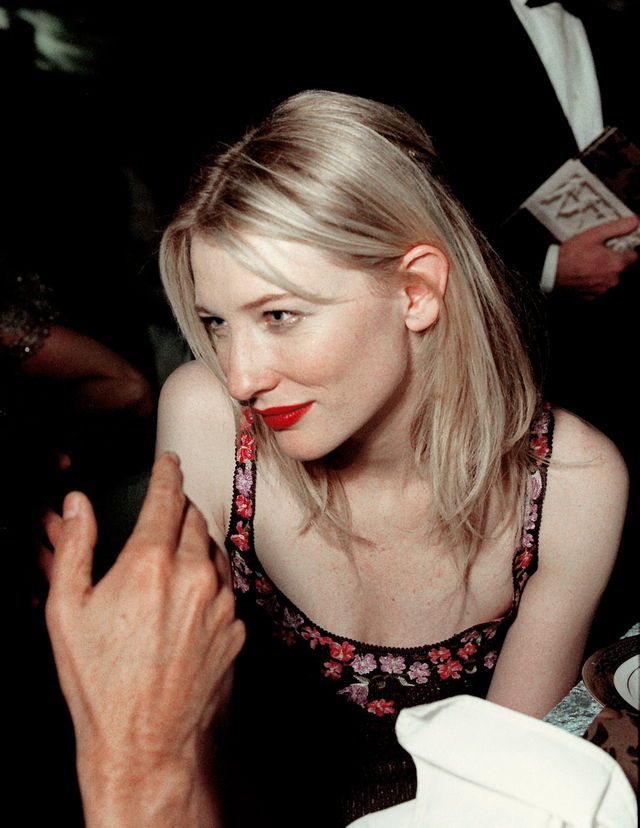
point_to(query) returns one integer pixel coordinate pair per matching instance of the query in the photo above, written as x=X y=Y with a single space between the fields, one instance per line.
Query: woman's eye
x=281 y=318
x=214 y=324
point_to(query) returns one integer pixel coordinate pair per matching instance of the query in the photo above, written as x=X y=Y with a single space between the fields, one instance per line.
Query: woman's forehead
x=287 y=267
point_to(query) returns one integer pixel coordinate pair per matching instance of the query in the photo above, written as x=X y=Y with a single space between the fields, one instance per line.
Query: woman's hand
x=142 y=655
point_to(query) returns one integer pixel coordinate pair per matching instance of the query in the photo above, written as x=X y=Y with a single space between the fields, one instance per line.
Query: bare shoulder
x=586 y=497
x=193 y=385
x=196 y=420
x=584 y=457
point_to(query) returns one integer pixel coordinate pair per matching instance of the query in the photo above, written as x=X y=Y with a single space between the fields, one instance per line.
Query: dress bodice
x=326 y=692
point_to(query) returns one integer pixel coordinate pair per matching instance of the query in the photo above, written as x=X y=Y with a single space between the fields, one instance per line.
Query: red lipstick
x=283 y=416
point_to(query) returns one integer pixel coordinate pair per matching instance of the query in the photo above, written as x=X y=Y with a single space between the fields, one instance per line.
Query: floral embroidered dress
x=313 y=714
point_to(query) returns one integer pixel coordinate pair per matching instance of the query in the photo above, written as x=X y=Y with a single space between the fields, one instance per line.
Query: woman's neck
x=381 y=453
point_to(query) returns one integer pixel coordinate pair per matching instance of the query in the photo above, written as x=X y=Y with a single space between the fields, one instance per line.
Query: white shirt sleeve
x=548 y=278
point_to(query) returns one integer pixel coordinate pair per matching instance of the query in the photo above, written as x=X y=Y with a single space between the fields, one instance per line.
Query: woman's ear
x=425 y=270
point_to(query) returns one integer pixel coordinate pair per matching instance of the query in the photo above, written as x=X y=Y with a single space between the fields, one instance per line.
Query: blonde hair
x=360 y=181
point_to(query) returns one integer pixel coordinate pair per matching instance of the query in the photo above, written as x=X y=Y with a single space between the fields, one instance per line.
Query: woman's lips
x=283 y=416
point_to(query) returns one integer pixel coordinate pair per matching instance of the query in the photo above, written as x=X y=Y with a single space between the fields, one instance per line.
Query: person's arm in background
x=582 y=266
x=95 y=378
x=141 y=656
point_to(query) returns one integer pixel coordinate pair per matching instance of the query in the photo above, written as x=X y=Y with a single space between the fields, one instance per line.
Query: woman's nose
x=246 y=370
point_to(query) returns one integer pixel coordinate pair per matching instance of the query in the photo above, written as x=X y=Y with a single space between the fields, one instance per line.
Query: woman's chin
x=295 y=446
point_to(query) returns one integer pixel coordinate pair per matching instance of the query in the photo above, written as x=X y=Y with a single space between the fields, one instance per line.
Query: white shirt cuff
x=548 y=278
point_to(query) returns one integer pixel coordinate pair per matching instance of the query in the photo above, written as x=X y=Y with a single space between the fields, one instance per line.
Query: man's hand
x=142 y=654
x=587 y=266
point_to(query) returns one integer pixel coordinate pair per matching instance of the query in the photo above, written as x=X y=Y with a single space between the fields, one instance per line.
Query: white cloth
x=480 y=765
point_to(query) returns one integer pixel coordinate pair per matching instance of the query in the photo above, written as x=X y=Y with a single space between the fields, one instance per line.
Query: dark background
x=100 y=135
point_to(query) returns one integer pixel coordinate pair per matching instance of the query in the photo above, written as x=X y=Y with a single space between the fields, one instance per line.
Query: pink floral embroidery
x=244 y=481
x=246 y=449
x=468 y=650
x=239 y=582
x=342 y=652
x=532 y=516
x=292 y=619
x=240 y=572
x=441 y=654
x=364 y=664
x=333 y=669
x=358 y=693
x=381 y=707
x=536 y=485
x=241 y=538
x=450 y=669
x=474 y=635
x=244 y=506
x=419 y=672
x=489 y=632
x=490 y=659
x=541 y=423
x=392 y=664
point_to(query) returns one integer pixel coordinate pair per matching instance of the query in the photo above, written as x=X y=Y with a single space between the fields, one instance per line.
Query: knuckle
x=52 y=609
x=202 y=577
x=165 y=472
x=55 y=611
x=239 y=630
x=149 y=571
x=164 y=486
x=226 y=604
x=222 y=610
x=197 y=519
x=152 y=550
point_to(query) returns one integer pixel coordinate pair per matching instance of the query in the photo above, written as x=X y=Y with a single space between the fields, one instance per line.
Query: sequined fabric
x=27 y=313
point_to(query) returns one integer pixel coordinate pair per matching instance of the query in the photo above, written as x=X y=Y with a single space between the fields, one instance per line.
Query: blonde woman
x=363 y=435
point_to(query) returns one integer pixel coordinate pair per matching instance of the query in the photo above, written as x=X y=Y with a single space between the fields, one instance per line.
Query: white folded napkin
x=480 y=764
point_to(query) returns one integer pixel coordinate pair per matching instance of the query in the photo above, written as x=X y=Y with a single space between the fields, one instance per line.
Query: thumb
x=70 y=572
x=611 y=229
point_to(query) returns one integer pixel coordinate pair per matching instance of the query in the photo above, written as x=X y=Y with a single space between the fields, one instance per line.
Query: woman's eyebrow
x=255 y=303
x=269 y=297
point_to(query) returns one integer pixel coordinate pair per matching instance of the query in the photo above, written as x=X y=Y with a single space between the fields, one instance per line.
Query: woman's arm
x=580 y=530
x=196 y=421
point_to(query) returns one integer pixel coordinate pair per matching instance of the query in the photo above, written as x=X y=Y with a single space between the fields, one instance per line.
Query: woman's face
x=319 y=374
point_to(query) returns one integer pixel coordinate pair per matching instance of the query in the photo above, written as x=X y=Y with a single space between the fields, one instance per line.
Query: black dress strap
x=525 y=561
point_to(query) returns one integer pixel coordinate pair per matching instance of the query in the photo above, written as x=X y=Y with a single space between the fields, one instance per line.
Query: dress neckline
x=241 y=547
